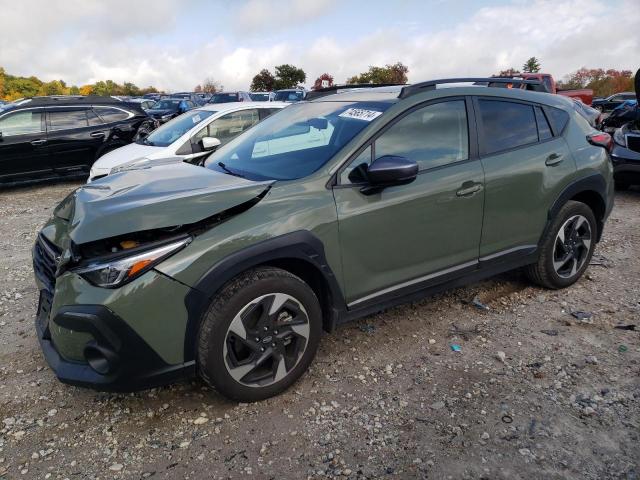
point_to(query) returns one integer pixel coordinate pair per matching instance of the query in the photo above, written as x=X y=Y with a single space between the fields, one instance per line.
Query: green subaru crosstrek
x=326 y=211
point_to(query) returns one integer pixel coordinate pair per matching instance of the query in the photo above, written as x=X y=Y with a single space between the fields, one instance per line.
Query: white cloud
x=82 y=42
x=266 y=15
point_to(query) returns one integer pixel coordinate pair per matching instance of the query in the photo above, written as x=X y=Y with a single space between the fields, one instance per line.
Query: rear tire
x=259 y=335
x=567 y=247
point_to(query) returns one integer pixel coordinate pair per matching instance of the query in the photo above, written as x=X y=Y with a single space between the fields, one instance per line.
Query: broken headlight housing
x=117 y=271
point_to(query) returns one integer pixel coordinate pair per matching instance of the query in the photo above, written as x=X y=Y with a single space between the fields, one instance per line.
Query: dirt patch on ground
x=532 y=393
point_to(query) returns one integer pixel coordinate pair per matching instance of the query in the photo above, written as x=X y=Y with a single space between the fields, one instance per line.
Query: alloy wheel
x=266 y=340
x=572 y=246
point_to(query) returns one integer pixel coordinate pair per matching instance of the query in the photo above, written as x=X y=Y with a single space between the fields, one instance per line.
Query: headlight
x=618 y=137
x=119 y=271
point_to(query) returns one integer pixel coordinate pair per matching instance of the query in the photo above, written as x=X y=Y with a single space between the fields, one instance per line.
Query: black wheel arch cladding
x=300 y=250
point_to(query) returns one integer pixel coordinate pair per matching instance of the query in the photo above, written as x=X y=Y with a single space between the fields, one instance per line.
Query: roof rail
x=53 y=99
x=321 y=92
x=409 y=90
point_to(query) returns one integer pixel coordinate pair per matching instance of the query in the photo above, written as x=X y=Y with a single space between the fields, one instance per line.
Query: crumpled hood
x=155 y=197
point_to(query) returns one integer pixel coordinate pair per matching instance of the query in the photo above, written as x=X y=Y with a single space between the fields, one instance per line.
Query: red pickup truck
x=583 y=94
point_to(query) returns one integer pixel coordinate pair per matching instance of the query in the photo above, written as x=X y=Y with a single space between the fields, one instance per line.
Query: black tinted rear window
x=67 y=120
x=507 y=125
x=109 y=115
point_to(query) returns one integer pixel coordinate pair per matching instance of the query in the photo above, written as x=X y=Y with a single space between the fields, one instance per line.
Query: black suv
x=45 y=138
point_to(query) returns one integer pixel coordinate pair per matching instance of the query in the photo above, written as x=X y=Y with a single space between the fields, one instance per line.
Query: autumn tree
x=396 y=73
x=197 y=88
x=86 y=90
x=211 y=86
x=263 y=81
x=318 y=83
x=509 y=72
x=602 y=82
x=531 y=66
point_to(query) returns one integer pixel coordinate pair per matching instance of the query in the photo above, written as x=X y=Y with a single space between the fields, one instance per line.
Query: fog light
x=100 y=359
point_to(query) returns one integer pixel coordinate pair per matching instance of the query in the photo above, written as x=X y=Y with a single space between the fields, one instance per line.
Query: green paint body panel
x=408 y=231
x=152 y=305
x=371 y=242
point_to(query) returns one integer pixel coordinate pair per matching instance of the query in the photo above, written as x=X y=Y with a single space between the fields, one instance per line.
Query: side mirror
x=209 y=144
x=388 y=171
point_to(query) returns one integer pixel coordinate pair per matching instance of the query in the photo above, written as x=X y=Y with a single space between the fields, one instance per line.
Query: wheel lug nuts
x=275 y=332
x=273 y=344
x=262 y=349
x=257 y=339
x=266 y=328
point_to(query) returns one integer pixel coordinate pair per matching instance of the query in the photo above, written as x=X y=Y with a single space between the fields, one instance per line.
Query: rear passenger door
x=525 y=159
x=74 y=137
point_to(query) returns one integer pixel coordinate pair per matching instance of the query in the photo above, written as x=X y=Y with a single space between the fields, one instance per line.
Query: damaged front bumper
x=124 y=339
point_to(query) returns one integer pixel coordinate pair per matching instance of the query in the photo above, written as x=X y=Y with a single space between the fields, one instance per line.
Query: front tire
x=259 y=335
x=567 y=247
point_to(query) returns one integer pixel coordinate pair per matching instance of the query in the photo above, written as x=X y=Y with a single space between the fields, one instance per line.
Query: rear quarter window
x=558 y=119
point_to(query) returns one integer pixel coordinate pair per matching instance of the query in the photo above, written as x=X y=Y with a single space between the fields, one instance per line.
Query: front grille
x=633 y=142
x=44 y=261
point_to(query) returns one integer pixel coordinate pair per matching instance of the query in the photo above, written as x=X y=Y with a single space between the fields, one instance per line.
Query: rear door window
x=67 y=119
x=110 y=115
x=507 y=125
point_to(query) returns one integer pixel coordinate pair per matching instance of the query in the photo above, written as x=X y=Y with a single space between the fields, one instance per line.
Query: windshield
x=166 y=105
x=224 y=98
x=174 y=129
x=296 y=141
x=289 y=96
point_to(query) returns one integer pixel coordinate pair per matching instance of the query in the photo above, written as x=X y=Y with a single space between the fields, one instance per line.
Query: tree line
x=602 y=82
x=13 y=87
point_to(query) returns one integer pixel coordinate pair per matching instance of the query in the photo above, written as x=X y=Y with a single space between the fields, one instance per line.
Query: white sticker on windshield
x=196 y=119
x=360 y=114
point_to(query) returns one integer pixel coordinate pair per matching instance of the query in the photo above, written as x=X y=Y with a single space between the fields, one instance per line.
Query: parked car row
x=321 y=213
x=52 y=137
x=188 y=137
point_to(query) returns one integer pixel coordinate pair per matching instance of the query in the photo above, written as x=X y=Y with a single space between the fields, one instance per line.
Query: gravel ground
x=532 y=393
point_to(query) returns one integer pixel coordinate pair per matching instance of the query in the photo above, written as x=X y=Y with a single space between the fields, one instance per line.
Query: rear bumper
x=626 y=164
x=127 y=363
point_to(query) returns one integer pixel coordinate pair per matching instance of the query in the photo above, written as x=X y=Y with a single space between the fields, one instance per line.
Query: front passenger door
x=407 y=236
x=23 y=145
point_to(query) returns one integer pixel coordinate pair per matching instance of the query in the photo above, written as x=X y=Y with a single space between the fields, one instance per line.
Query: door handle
x=98 y=134
x=468 y=191
x=42 y=141
x=553 y=159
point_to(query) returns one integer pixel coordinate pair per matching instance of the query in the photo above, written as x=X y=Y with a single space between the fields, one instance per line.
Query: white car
x=188 y=136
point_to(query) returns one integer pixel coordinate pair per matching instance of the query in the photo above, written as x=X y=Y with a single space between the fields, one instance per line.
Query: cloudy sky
x=176 y=44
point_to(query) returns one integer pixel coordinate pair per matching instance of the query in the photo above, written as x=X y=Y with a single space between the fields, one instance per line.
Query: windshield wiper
x=230 y=172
